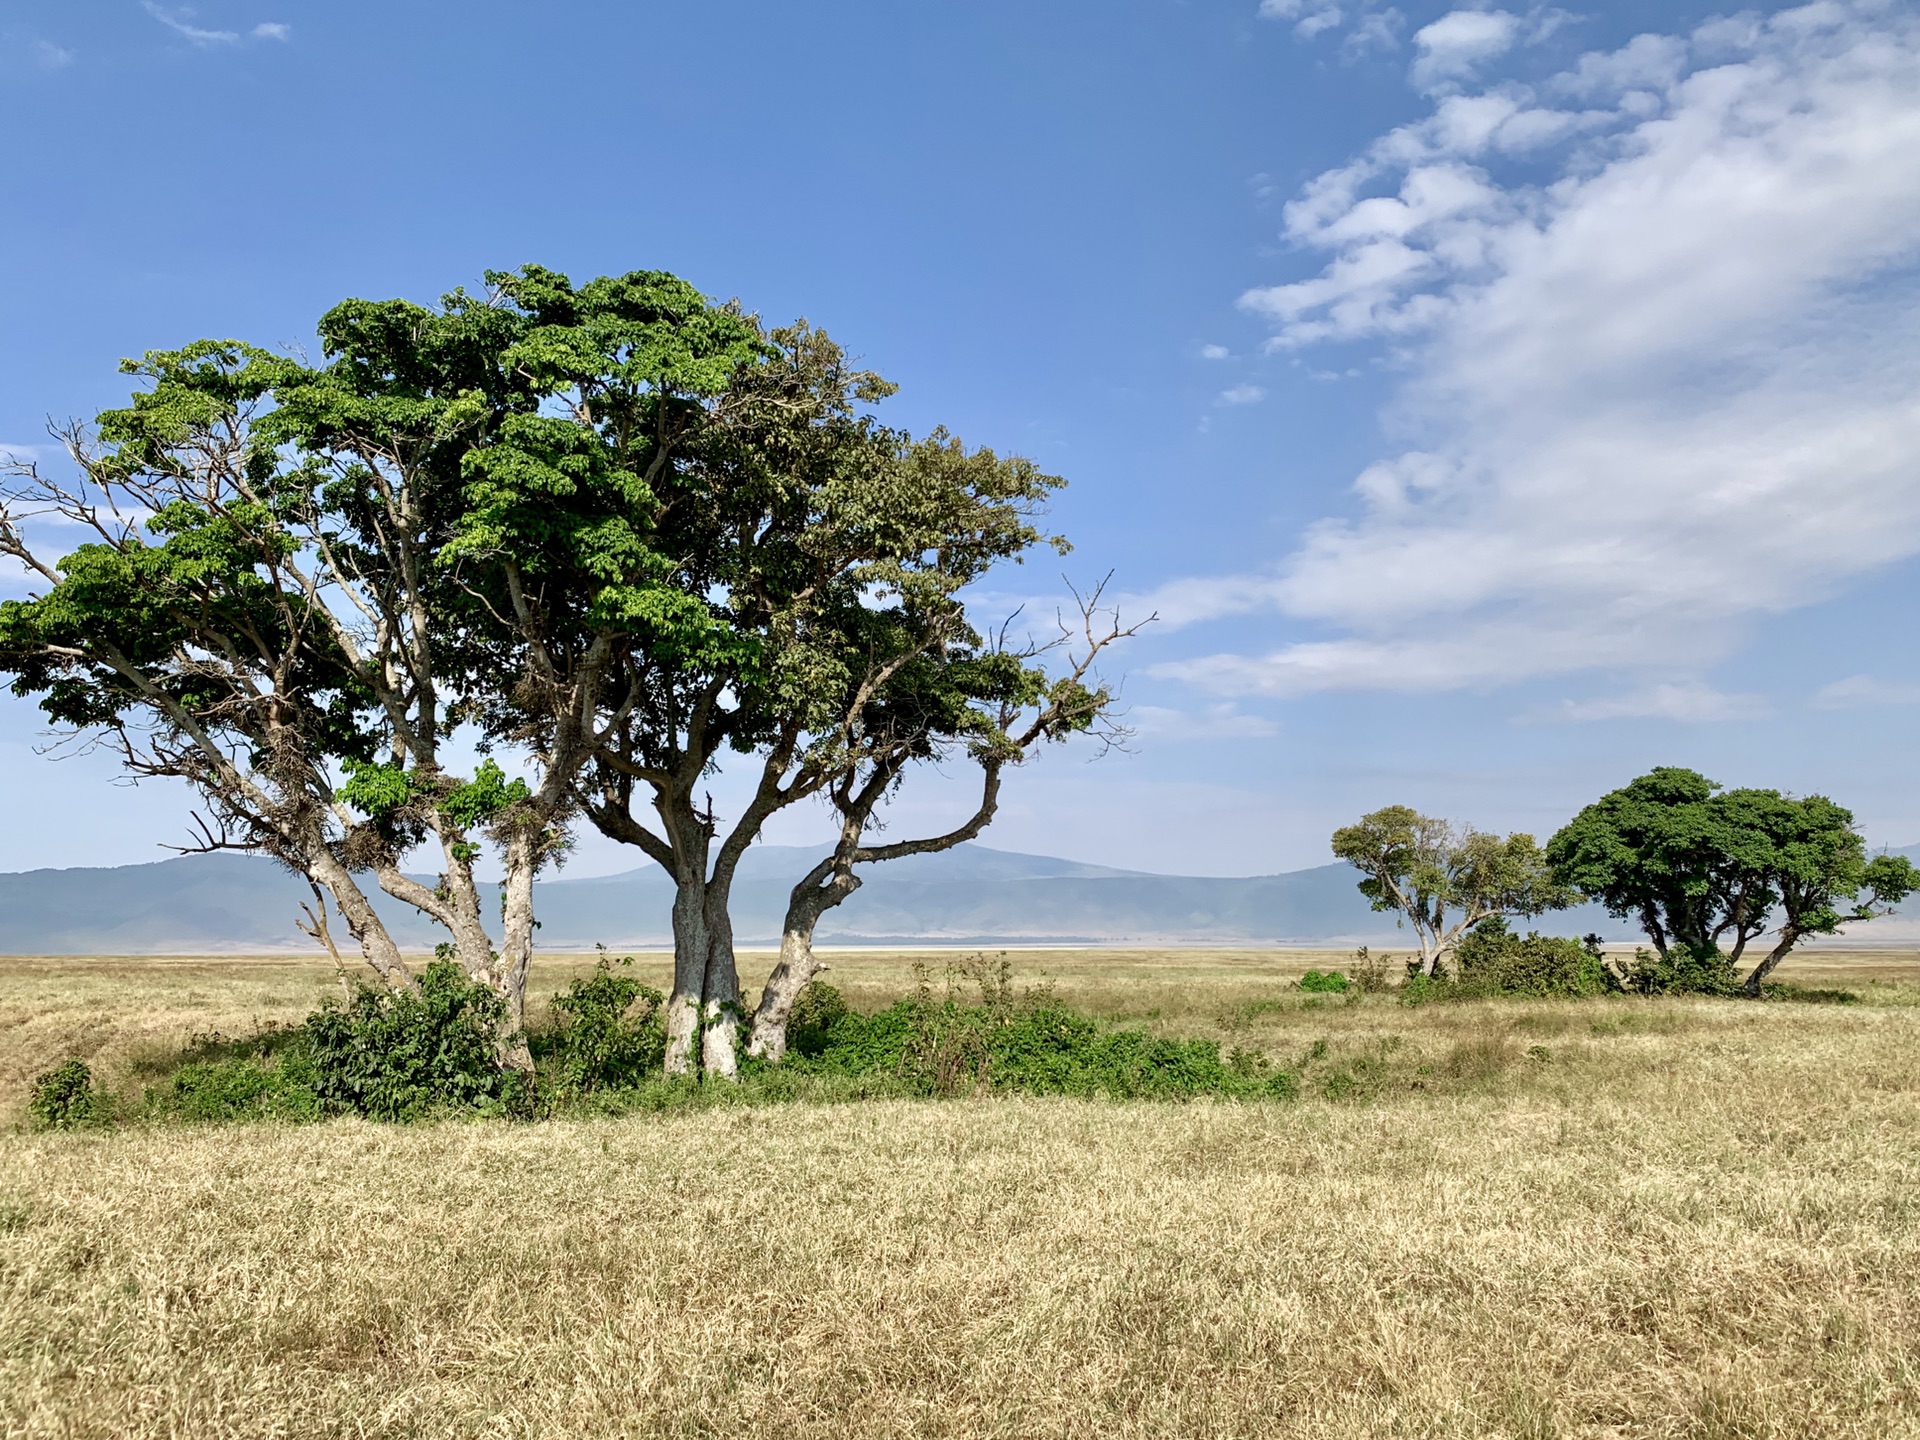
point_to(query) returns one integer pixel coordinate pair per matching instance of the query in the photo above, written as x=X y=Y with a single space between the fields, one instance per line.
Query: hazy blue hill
x=213 y=903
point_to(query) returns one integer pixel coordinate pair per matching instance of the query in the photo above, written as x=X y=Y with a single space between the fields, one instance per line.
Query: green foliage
x=242 y=1088
x=611 y=1033
x=1698 y=866
x=817 y=1009
x=1492 y=960
x=1420 y=989
x=376 y=791
x=1331 y=982
x=1030 y=1044
x=482 y=798
x=1422 y=869
x=1683 y=970
x=64 y=1098
x=405 y=1055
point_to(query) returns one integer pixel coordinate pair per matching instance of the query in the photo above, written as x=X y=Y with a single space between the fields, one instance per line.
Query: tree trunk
x=1788 y=939
x=797 y=965
x=690 y=947
x=720 y=997
x=516 y=947
x=363 y=922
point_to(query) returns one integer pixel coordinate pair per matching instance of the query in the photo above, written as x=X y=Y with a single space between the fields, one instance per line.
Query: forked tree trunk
x=363 y=922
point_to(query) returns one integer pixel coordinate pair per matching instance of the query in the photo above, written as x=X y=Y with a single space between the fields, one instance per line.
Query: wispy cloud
x=1368 y=24
x=1689 y=703
x=1857 y=692
x=1638 y=430
x=181 y=23
x=49 y=56
x=1242 y=395
x=1215 y=352
x=1216 y=722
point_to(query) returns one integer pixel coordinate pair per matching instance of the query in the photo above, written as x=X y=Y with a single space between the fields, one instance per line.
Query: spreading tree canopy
x=1707 y=871
x=1443 y=879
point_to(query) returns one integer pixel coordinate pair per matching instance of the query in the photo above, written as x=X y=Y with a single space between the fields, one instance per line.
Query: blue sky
x=1494 y=402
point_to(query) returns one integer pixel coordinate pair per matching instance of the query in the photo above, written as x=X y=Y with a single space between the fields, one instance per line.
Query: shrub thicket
x=609 y=1033
x=406 y=1054
x=1329 y=982
x=1492 y=960
x=64 y=1098
x=1029 y=1043
x=1683 y=971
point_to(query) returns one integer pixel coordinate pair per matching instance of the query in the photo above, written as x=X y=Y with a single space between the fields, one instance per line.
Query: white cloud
x=1670 y=388
x=49 y=56
x=1214 y=352
x=1369 y=25
x=1242 y=395
x=1453 y=47
x=1860 y=691
x=1216 y=722
x=1689 y=702
x=272 y=30
x=1312 y=25
x=180 y=22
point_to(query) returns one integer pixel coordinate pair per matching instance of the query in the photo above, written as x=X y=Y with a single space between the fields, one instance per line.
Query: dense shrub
x=1492 y=960
x=64 y=1098
x=1330 y=982
x=1030 y=1043
x=243 y=1088
x=610 y=1033
x=404 y=1054
x=816 y=1010
x=1683 y=971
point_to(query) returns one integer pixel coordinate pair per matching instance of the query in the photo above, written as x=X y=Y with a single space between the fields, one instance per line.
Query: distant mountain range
x=969 y=895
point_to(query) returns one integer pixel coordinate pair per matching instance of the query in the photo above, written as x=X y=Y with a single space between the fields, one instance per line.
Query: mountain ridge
x=969 y=895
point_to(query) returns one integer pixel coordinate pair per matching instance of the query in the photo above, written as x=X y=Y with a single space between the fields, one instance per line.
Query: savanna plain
x=1670 y=1216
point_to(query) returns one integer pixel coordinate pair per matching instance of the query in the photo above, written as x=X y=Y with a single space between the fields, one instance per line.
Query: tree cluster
x=1705 y=871
x=615 y=529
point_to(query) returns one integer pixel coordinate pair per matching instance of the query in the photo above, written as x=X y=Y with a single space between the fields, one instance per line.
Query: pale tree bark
x=1068 y=707
x=832 y=881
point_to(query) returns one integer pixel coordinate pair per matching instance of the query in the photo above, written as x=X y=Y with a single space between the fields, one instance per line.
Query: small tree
x=1707 y=871
x=1444 y=879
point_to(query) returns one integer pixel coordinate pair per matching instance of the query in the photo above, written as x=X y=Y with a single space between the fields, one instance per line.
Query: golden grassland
x=1623 y=1217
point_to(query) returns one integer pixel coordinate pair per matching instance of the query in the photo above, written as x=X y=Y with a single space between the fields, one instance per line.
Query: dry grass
x=1686 y=1218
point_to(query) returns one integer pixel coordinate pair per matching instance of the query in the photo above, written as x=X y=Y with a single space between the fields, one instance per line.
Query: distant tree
x=1707 y=871
x=1444 y=879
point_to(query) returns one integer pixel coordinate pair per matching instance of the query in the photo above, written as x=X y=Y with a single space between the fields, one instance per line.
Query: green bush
x=1683 y=971
x=1331 y=982
x=611 y=1033
x=1492 y=960
x=405 y=1055
x=243 y=1088
x=64 y=1098
x=1031 y=1044
x=816 y=1010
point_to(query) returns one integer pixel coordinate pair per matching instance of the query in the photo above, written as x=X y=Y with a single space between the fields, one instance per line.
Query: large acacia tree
x=1708 y=871
x=708 y=520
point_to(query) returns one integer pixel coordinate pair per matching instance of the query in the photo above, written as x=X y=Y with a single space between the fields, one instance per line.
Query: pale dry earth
x=1529 y=1219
